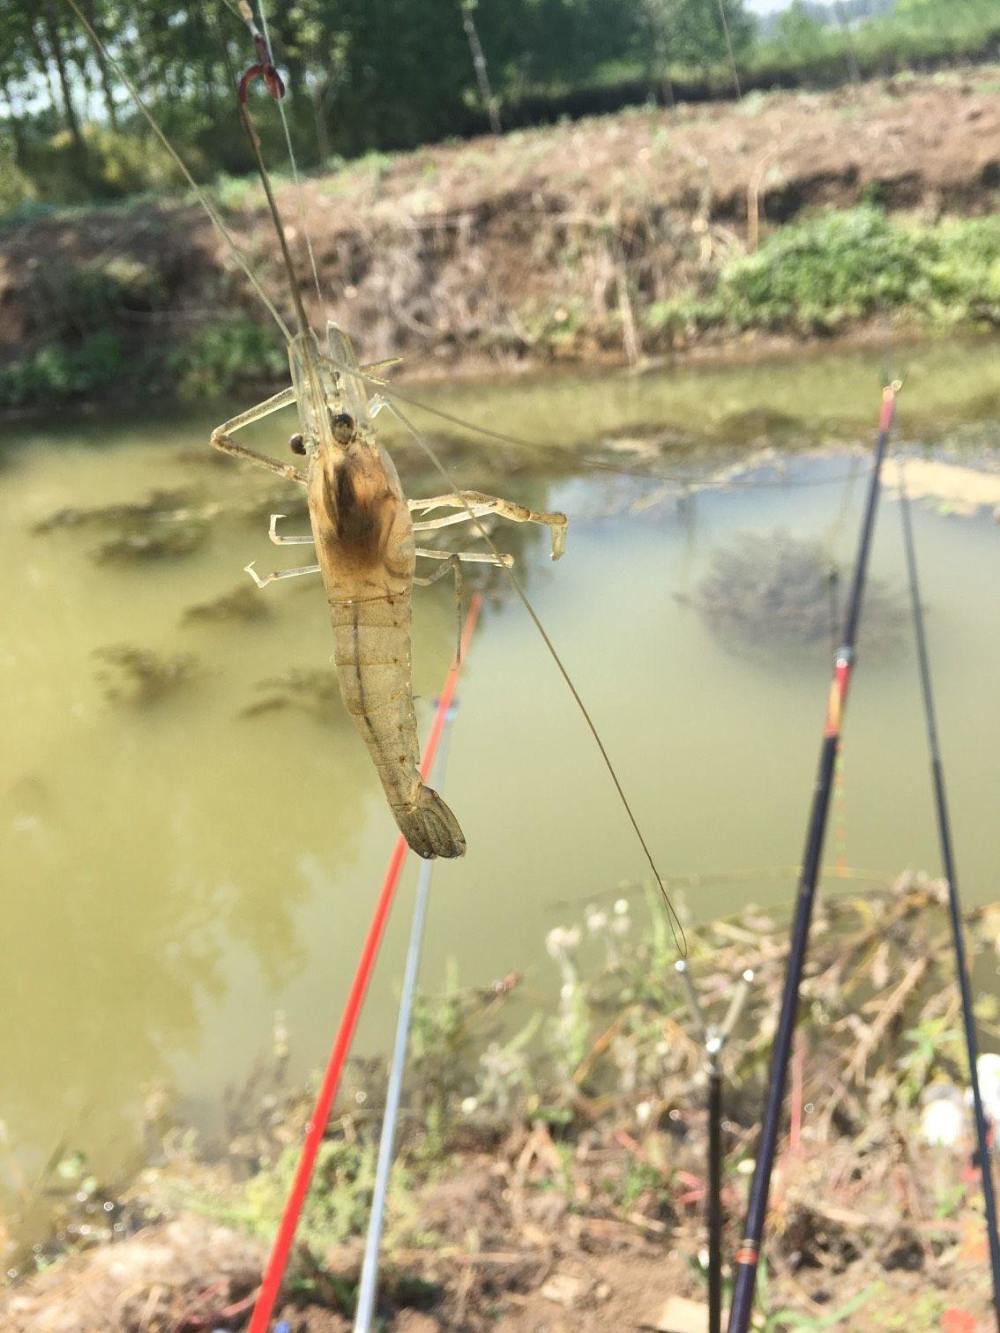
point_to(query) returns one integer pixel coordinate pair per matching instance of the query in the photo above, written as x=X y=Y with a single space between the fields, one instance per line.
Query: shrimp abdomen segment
x=372 y=657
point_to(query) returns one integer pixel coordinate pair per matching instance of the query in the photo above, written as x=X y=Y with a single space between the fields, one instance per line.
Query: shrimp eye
x=343 y=427
x=297 y=444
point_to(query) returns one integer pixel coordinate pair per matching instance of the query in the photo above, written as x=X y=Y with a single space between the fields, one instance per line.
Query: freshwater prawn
x=363 y=535
x=362 y=526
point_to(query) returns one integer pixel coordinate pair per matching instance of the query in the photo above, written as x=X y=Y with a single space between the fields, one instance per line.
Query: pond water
x=178 y=869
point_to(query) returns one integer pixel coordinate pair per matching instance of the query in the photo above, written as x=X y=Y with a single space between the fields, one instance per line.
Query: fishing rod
x=748 y=1255
x=277 y=1262
x=954 y=904
x=714 y=1040
x=368 y=1286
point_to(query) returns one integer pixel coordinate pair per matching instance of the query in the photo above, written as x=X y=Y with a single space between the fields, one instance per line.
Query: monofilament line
x=676 y=927
x=296 y=179
x=200 y=194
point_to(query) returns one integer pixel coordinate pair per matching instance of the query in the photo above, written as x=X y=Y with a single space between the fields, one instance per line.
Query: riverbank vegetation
x=787 y=216
x=553 y=1154
x=833 y=270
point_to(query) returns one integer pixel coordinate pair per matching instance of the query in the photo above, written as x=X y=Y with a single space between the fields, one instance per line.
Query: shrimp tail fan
x=429 y=826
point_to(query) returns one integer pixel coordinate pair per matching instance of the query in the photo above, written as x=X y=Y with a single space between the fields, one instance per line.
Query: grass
x=221 y=356
x=58 y=374
x=210 y=363
x=827 y=272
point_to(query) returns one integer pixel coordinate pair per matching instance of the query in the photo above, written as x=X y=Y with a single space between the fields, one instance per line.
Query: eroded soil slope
x=550 y=243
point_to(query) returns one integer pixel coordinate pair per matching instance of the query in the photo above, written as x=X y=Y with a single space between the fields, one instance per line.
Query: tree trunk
x=44 y=65
x=69 y=110
x=102 y=66
x=479 y=65
x=318 y=92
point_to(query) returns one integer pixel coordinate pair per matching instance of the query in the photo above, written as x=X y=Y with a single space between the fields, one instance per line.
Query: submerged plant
x=243 y=602
x=314 y=690
x=768 y=592
x=162 y=524
x=141 y=676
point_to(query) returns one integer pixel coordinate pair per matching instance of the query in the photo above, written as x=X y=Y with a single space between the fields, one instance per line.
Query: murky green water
x=174 y=873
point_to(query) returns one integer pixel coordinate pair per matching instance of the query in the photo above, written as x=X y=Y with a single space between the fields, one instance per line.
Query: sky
x=772 y=6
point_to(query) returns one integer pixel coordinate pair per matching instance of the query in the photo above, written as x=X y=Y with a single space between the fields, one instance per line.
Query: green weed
x=58 y=373
x=221 y=356
x=821 y=274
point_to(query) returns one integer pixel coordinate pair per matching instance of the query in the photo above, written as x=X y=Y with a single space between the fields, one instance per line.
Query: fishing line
x=267 y=71
x=200 y=194
x=954 y=904
x=299 y=201
x=563 y=453
x=535 y=446
x=676 y=927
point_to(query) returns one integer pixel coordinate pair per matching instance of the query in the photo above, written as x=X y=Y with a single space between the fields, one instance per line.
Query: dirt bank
x=549 y=244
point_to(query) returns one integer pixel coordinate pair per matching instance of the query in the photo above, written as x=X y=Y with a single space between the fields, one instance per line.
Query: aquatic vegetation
x=240 y=603
x=157 y=502
x=314 y=690
x=163 y=524
x=141 y=676
x=766 y=593
x=152 y=541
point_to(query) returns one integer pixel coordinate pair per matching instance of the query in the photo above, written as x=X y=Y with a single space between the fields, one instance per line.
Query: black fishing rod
x=954 y=905
x=714 y=1040
x=748 y=1255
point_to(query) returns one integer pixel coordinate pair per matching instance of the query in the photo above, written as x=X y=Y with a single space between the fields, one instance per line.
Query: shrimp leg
x=272 y=532
x=220 y=438
x=475 y=504
x=452 y=561
x=471 y=557
x=278 y=573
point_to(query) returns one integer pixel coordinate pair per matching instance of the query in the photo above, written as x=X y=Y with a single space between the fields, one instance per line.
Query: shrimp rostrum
x=363 y=533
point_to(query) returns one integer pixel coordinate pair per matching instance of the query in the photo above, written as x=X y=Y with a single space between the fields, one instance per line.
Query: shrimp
x=362 y=527
x=363 y=535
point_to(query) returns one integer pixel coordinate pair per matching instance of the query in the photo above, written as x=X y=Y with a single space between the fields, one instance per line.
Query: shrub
x=57 y=373
x=220 y=357
x=119 y=163
x=16 y=189
x=71 y=301
x=820 y=274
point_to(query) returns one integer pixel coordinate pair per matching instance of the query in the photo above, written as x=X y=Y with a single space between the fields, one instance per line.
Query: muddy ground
x=548 y=244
